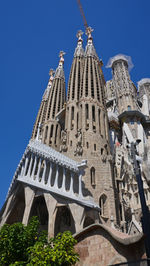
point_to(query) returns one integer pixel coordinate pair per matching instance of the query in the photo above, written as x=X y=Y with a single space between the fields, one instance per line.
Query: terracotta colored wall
x=98 y=248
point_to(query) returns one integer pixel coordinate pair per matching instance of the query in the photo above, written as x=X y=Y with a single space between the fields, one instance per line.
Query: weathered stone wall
x=98 y=245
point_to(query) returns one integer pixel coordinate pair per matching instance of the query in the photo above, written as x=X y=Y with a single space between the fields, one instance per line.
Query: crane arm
x=82 y=14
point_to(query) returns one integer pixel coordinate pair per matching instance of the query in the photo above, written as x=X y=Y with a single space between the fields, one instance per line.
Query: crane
x=82 y=14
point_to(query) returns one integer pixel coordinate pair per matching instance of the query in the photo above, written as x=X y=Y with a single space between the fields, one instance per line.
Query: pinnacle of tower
x=142 y=82
x=60 y=70
x=79 y=51
x=121 y=57
x=51 y=74
x=90 y=49
x=46 y=93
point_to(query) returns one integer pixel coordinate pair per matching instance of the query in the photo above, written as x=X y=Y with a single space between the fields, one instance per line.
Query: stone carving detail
x=79 y=149
x=63 y=146
x=104 y=153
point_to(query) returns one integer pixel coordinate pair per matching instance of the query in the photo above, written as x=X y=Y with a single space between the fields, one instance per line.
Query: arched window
x=129 y=108
x=103 y=205
x=92 y=173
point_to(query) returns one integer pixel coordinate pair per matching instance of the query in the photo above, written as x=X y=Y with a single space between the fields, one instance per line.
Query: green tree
x=15 y=239
x=24 y=245
x=58 y=251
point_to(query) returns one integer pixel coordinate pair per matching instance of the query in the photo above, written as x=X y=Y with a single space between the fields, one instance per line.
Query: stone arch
x=103 y=205
x=18 y=207
x=64 y=220
x=88 y=221
x=39 y=209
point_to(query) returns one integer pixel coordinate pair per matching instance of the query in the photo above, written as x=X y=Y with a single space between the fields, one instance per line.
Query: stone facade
x=77 y=169
x=99 y=245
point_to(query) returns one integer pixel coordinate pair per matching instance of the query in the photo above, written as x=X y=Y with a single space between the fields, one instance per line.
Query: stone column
x=56 y=178
x=71 y=184
x=51 y=205
x=50 y=175
x=78 y=215
x=7 y=208
x=44 y=172
x=39 y=168
x=29 y=196
x=26 y=163
x=64 y=180
x=34 y=166
x=80 y=184
x=30 y=165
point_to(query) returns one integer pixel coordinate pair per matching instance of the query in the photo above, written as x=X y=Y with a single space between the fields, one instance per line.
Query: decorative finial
x=61 y=55
x=79 y=35
x=51 y=72
x=89 y=30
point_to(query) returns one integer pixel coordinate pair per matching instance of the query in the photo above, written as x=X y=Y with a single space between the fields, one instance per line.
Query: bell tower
x=46 y=125
x=87 y=126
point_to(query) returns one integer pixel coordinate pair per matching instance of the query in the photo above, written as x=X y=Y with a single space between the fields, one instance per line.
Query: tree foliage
x=25 y=245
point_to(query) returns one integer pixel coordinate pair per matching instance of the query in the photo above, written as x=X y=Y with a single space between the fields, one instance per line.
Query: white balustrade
x=39 y=168
x=22 y=167
x=26 y=163
x=71 y=183
x=56 y=178
x=64 y=179
x=44 y=172
x=32 y=162
x=34 y=167
x=30 y=165
x=50 y=175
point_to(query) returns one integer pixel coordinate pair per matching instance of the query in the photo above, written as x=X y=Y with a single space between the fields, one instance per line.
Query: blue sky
x=32 y=32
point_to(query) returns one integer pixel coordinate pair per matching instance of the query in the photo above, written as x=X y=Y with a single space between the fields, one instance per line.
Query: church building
x=77 y=172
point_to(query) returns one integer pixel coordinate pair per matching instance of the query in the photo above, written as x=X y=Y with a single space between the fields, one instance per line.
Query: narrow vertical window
x=99 y=122
x=87 y=111
x=92 y=173
x=93 y=113
x=51 y=134
x=56 y=134
x=103 y=205
x=72 y=117
x=77 y=121
x=46 y=130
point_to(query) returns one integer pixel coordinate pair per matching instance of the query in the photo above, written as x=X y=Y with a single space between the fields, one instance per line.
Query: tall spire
x=90 y=49
x=56 y=98
x=79 y=51
x=40 y=119
x=60 y=70
x=49 y=85
x=76 y=70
